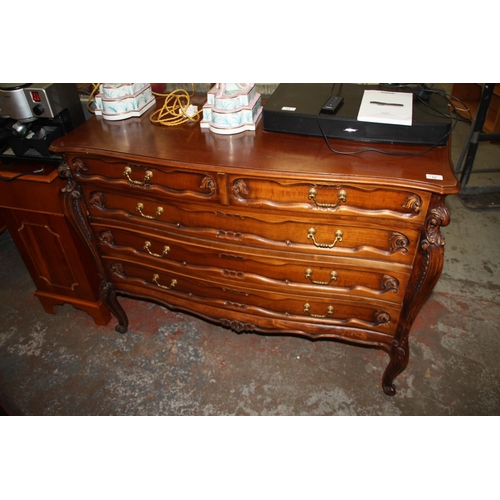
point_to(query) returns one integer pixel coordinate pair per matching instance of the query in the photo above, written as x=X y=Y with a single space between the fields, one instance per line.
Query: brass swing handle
x=312 y=233
x=156 y=278
x=342 y=197
x=147 y=246
x=307 y=309
x=147 y=176
x=333 y=277
x=140 y=206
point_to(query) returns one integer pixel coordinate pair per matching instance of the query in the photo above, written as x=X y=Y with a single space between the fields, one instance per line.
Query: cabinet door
x=57 y=260
x=51 y=253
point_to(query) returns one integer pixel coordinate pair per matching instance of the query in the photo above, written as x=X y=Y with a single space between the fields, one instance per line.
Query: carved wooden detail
x=382 y=318
x=399 y=356
x=79 y=166
x=389 y=283
x=229 y=235
x=107 y=238
x=208 y=184
x=414 y=202
x=117 y=268
x=237 y=326
x=73 y=202
x=399 y=243
x=239 y=187
x=438 y=217
x=97 y=199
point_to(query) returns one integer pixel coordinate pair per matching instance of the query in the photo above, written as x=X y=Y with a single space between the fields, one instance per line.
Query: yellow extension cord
x=175 y=109
x=173 y=112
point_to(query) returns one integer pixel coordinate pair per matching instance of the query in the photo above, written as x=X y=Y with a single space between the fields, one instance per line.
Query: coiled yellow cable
x=90 y=100
x=175 y=109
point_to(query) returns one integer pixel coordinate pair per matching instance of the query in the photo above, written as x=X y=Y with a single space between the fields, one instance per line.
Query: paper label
x=379 y=106
x=434 y=177
x=287 y=108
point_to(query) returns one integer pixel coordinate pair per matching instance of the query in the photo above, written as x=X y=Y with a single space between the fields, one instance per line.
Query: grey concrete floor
x=174 y=364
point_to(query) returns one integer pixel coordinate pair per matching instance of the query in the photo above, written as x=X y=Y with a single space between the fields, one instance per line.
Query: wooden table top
x=265 y=153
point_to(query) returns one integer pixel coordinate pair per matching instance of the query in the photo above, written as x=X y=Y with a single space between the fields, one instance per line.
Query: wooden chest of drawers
x=261 y=232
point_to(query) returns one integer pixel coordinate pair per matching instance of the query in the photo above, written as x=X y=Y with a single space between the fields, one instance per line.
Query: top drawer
x=324 y=198
x=315 y=198
x=134 y=177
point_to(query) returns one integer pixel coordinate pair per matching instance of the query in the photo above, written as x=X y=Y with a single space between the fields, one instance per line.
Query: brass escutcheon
x=156 y=278
x=147 y=246
x=311 y=234
x=147 y=176
x=140 y=206
x=342 y=197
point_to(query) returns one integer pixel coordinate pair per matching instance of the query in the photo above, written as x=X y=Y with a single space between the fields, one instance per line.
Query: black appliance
x=296 y=108
x=33 y=115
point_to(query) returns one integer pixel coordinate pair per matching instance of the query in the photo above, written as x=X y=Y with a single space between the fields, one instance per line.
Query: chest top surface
x=264 y=153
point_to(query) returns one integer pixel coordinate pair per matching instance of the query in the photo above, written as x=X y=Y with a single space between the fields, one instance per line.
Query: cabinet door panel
x=53 y=255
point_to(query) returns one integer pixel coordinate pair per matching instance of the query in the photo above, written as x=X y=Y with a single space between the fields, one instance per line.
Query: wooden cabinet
x=261 y=232
x=59 y=263
x=470 y=94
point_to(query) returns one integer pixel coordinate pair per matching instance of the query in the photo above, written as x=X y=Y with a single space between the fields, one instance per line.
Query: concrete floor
x=174 y=364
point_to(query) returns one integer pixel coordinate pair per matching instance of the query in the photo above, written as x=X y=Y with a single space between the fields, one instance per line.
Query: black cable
x=8 y=179
x=448 y=97
x=396 y=153
x=390 y=153
x=375 y=150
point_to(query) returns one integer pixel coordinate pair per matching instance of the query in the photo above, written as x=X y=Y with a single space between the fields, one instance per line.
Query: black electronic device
x=33 y=115
x=332 y=104
x=297 y=108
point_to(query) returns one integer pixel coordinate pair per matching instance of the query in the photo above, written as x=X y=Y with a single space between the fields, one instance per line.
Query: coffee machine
x=33 y=115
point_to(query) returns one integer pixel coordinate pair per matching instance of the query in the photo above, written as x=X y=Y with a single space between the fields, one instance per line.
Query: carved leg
x=108 y=296
x=399 y=360
x=426 y=272
x=74 y=209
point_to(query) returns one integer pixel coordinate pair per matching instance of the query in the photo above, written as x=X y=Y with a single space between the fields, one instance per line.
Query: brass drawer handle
x=147 y=246
x=156 y=278
x=147 y=176
x=333 y=277
x=307 y=309
x=140 y=206
x=338 y=237
x=342 y=197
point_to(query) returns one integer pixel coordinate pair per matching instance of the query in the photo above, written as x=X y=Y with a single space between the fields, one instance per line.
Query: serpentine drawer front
x=252 y=267
x=343 y=237
x=261 y=232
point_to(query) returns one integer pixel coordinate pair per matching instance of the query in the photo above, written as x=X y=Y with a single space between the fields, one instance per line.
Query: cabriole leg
x=399 y=360
x=108 y=296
